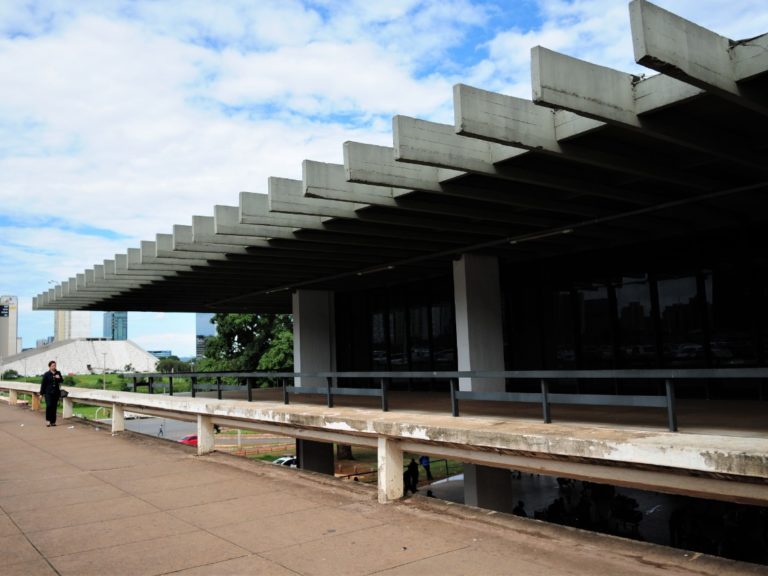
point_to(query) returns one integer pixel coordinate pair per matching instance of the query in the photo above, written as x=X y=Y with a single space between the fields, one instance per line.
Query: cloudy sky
x=119 y=119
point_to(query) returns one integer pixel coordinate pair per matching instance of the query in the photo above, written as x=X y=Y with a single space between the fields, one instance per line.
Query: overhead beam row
x=597 y=158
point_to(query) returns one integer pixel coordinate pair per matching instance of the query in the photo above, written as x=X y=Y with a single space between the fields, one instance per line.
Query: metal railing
x=545 y=379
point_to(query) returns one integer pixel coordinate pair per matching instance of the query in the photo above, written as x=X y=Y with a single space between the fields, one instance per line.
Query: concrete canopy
x=599 y=158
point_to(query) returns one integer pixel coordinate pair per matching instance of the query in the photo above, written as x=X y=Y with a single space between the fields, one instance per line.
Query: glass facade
x=689 y=304
x=409 y=327
x=693 y=307
x=116 y=325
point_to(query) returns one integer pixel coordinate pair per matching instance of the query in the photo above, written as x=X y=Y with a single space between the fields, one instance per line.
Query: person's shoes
x=53 y=424
x=47 y=424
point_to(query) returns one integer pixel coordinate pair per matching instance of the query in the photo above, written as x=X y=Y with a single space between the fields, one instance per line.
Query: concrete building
x=204 y=328
x=69 y=325
x=116 y=325
x=612 y=222
x=9 y=326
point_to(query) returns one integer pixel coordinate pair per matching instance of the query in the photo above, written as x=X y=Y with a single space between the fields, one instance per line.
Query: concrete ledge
x=734 y=467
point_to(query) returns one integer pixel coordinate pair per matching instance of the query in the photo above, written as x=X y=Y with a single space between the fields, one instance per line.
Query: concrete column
x=315 y=456
x=205 y=441
x=13 y=397
x=118 y=418
x=36 y=402
x=390 y=462
x=479 y=337
x=313 y=334
x=66 y=409
x=487 y=487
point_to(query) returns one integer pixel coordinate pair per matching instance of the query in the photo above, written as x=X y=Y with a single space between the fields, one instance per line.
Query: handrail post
x=285 y=390
x=454 y=401
x=218 y=387
x=249 y=386
x=194 y=381
x=545 y=401
x=170 y=385
x=329 y=394
x=384 y=394
x=135 y=380
x=150 y=381
x=671 y=412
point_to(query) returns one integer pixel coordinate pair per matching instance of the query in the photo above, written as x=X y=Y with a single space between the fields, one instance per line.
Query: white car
x=286 y=461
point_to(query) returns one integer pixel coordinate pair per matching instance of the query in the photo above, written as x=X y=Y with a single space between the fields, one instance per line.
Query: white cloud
x=324 y=78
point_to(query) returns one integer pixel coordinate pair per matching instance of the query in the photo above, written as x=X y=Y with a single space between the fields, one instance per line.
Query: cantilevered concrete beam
x=422 y=142
x=146 y=258
x=333 y=185
x=360 y=166
x=183 y=239
x=115 y=278
x=521 y=123
x=255 y=209
x=287 y=197
x=368 y=164
x=681 y=49
x=225 y=228
x=266 y=232
x=164 y=244
x=360 y=162
x=346 y=218
x=328 y=179
x=112 y=270
x=330 y=229
x=389 y=174
x=625 y=100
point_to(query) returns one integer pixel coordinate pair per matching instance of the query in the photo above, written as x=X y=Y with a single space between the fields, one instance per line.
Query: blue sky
x=119 y=119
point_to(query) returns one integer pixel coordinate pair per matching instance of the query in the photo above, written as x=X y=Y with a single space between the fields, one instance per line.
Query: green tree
x=172 y=364
x=246 y=342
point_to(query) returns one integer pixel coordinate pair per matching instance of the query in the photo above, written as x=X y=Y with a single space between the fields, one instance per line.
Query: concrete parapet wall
x=724 y=467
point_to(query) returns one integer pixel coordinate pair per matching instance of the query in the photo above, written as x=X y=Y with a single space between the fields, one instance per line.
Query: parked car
x=189 y=440
x=286 y=461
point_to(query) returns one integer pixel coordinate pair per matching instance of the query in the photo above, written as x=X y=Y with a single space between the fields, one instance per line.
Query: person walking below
x=413 y=473
x=50 y=388
x=424 y=461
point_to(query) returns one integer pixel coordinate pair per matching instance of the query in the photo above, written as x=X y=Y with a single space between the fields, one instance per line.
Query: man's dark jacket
x=50 y=385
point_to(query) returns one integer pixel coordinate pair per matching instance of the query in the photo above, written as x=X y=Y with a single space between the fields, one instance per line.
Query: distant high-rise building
x=204 y=329
x=69 y=324
x=9 y=326
x=116 y=325
x=44 y=341
x=161 y=353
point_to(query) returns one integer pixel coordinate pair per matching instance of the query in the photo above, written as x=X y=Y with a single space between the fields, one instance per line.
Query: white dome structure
x=81 y=356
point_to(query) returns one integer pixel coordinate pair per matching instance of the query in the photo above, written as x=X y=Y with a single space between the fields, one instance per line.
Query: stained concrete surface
x=76 y=500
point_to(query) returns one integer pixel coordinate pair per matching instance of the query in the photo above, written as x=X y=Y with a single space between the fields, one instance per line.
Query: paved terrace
x=78 y=500
x=721 y=453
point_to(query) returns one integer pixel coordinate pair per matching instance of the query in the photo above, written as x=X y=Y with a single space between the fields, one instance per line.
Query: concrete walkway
x=76 y=500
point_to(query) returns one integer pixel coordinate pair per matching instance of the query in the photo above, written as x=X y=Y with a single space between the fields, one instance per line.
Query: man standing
x=424 y=461
x=413 y=473
x=50 y=388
